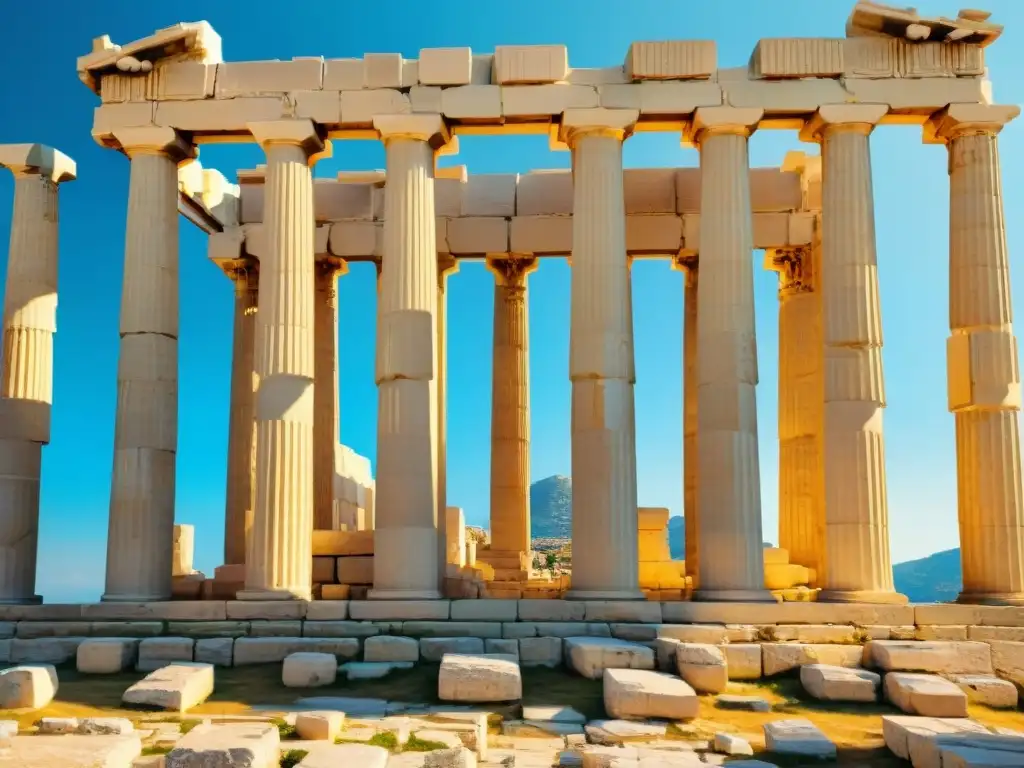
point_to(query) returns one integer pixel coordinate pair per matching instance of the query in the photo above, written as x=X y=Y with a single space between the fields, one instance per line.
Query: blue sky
x=44 y=102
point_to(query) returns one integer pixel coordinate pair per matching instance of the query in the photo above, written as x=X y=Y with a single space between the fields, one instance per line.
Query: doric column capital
x=430 y=128
x=155 y=141
x=37 y=160
x=967 y=120
x=512 y=271
x=716 y=121
x=859 y=118
x=297 y=133
x=615 y=123
x=794 y=267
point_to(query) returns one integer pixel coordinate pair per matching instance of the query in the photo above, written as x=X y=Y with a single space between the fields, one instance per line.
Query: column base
x=991 y=598
x=274 y=594
x=734 y=596
x=403 y=594
x=31 y=600
x=861 y=596
x=108 y=598
x=601 y=594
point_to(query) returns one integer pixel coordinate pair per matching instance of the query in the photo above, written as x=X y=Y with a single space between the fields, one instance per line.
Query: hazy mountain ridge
x=932 y=579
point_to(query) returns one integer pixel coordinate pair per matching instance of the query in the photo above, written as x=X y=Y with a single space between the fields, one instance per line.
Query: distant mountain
x=677 y=538
x=932 y=579
x=551 y=508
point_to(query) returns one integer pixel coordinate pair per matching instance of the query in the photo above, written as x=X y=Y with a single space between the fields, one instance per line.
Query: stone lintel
x=303 y=133
x=597 y=121
x=830 y=115
x=430 y=128
x=738 y=120
x=960 y=119
x=37 y=160
x=155 y=140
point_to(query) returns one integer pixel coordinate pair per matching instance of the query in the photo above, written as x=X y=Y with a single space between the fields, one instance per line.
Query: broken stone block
x=434 y=648
x=446 y=66
x=106 y=726
x=530 y=64
x=479 y=678
x=390 y=648
x=829 y=683
x=106 y=655
x=255 y=745
x=928 y=695
x=612 y=732
x=798 y=737
x=455 y=757
x=355 y=755
x=177 y=687
x=218 y=651
x=743 y=660
x=58 y=725
x=156 y=652
x=27 y=687
x=591 y=656
x=702 y=666
x=540 y=651
x=73 y=750
x=638 y=693
x=901 y=732
x=778 y=658
x=319 y=726
x=937 y=657
x=309 y=670
x=728 y=744
x=990 y=691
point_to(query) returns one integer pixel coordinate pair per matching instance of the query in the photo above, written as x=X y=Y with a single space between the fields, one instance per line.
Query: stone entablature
x=502 y=214
x=177 y=78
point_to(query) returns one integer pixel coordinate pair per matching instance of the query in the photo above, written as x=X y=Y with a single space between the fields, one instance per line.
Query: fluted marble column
x=241 y=495
x=446 y=265
x=691 y=520
x=26 y=376
x=405 y=562
x=510 y=409
x=857 y=563
x=280 y=554
x=141 y=525
x=728 y=486
x=604 y=525
x=983 y=373
x=325 y=392
x=801 y=522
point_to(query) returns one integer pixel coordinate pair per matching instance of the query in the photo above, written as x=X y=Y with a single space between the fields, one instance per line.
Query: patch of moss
x=149 y=751
x=188 y=725
x=292 y=757
x=285 y=730
x=415 y=744
x=385 y=739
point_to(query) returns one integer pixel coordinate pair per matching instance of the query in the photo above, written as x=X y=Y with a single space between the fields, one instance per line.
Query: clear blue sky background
x=43 y=101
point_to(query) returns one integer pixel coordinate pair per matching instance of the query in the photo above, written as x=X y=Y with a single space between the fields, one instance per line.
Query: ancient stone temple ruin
x=283 y=238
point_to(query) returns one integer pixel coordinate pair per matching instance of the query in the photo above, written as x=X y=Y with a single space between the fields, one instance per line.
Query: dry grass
x=855 y=728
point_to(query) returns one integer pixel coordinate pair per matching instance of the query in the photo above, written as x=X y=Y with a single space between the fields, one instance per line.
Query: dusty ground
x=855 y=728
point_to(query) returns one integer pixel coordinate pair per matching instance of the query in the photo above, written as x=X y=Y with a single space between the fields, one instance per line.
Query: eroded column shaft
x=728 y=488
x=241 y=489
x=510 y=410
x=405 y=545
x=141 y=526
x=604 y=523
x=801 y=517
x=691 y=520
x=26 y=381
x=857 y=567
x=984 y=378
x=279 y=560
x=325 y=394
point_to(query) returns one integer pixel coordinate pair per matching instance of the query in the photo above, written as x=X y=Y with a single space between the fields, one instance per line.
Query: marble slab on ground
x=71 y=751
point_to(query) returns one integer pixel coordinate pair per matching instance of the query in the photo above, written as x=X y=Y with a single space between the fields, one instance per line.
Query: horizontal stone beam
x=539 y=193
x=659 y=235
